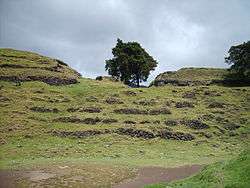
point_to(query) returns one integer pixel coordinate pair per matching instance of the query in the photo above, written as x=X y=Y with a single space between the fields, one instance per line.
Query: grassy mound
x=18 y=66
x=230 y=174
x=191 y=76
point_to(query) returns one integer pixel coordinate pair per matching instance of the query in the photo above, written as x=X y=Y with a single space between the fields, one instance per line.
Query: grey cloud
x=82 y=32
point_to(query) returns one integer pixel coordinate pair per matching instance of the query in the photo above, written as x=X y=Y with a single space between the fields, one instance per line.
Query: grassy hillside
x=19 y=66
x=103 y=122
x=232 y=173
x=191 y=76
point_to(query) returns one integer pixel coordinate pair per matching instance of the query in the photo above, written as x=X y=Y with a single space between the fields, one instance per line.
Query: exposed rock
x=145 y=122
x=184 y=104
x=195 y=124
x=175 y=135
x=171 y=122
x=109 y=120
x=91 y=121
x=216 y=105
x=145 y=102
x=129 y=122
x=130 y=111
x=45 y=79
x=44 y=109
x=90 y=109
x=135 y=133
x=69 y=119
x=85 y=109
x=108 y=78
x=113 y=100
x=72 y=119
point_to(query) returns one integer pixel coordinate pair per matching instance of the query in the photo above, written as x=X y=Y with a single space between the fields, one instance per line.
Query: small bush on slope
x=229 y=174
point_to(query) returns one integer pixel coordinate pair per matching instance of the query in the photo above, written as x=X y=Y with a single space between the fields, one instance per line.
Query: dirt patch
x=195 y=124
x=175 y=135
x=184 y=104
x=44 y=109
x=113 y=100
x=135 y=133
x=150 y=175
x=66 y=175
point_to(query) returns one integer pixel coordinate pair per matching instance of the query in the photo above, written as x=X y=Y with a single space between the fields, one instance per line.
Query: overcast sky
x=177 y=33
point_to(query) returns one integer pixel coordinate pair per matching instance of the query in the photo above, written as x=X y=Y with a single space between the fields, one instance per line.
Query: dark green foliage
x=131 y=63
x=239 y=59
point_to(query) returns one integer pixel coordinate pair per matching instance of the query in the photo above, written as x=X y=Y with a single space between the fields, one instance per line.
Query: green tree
x=239 y=59
x=130 y=64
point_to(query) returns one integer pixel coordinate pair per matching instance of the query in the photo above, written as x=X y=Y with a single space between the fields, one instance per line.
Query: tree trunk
x=138 y=80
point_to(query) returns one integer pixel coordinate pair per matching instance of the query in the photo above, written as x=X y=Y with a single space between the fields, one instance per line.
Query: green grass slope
x=231 y=174
x=19 y=66
x=105 y=122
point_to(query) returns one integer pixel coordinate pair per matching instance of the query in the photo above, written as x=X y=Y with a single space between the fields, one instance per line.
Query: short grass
x=232 y=173
x=26 y=135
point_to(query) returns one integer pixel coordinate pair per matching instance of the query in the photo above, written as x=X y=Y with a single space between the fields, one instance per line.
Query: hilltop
x=104 y=130
x=17 y=66
x=191 y=77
